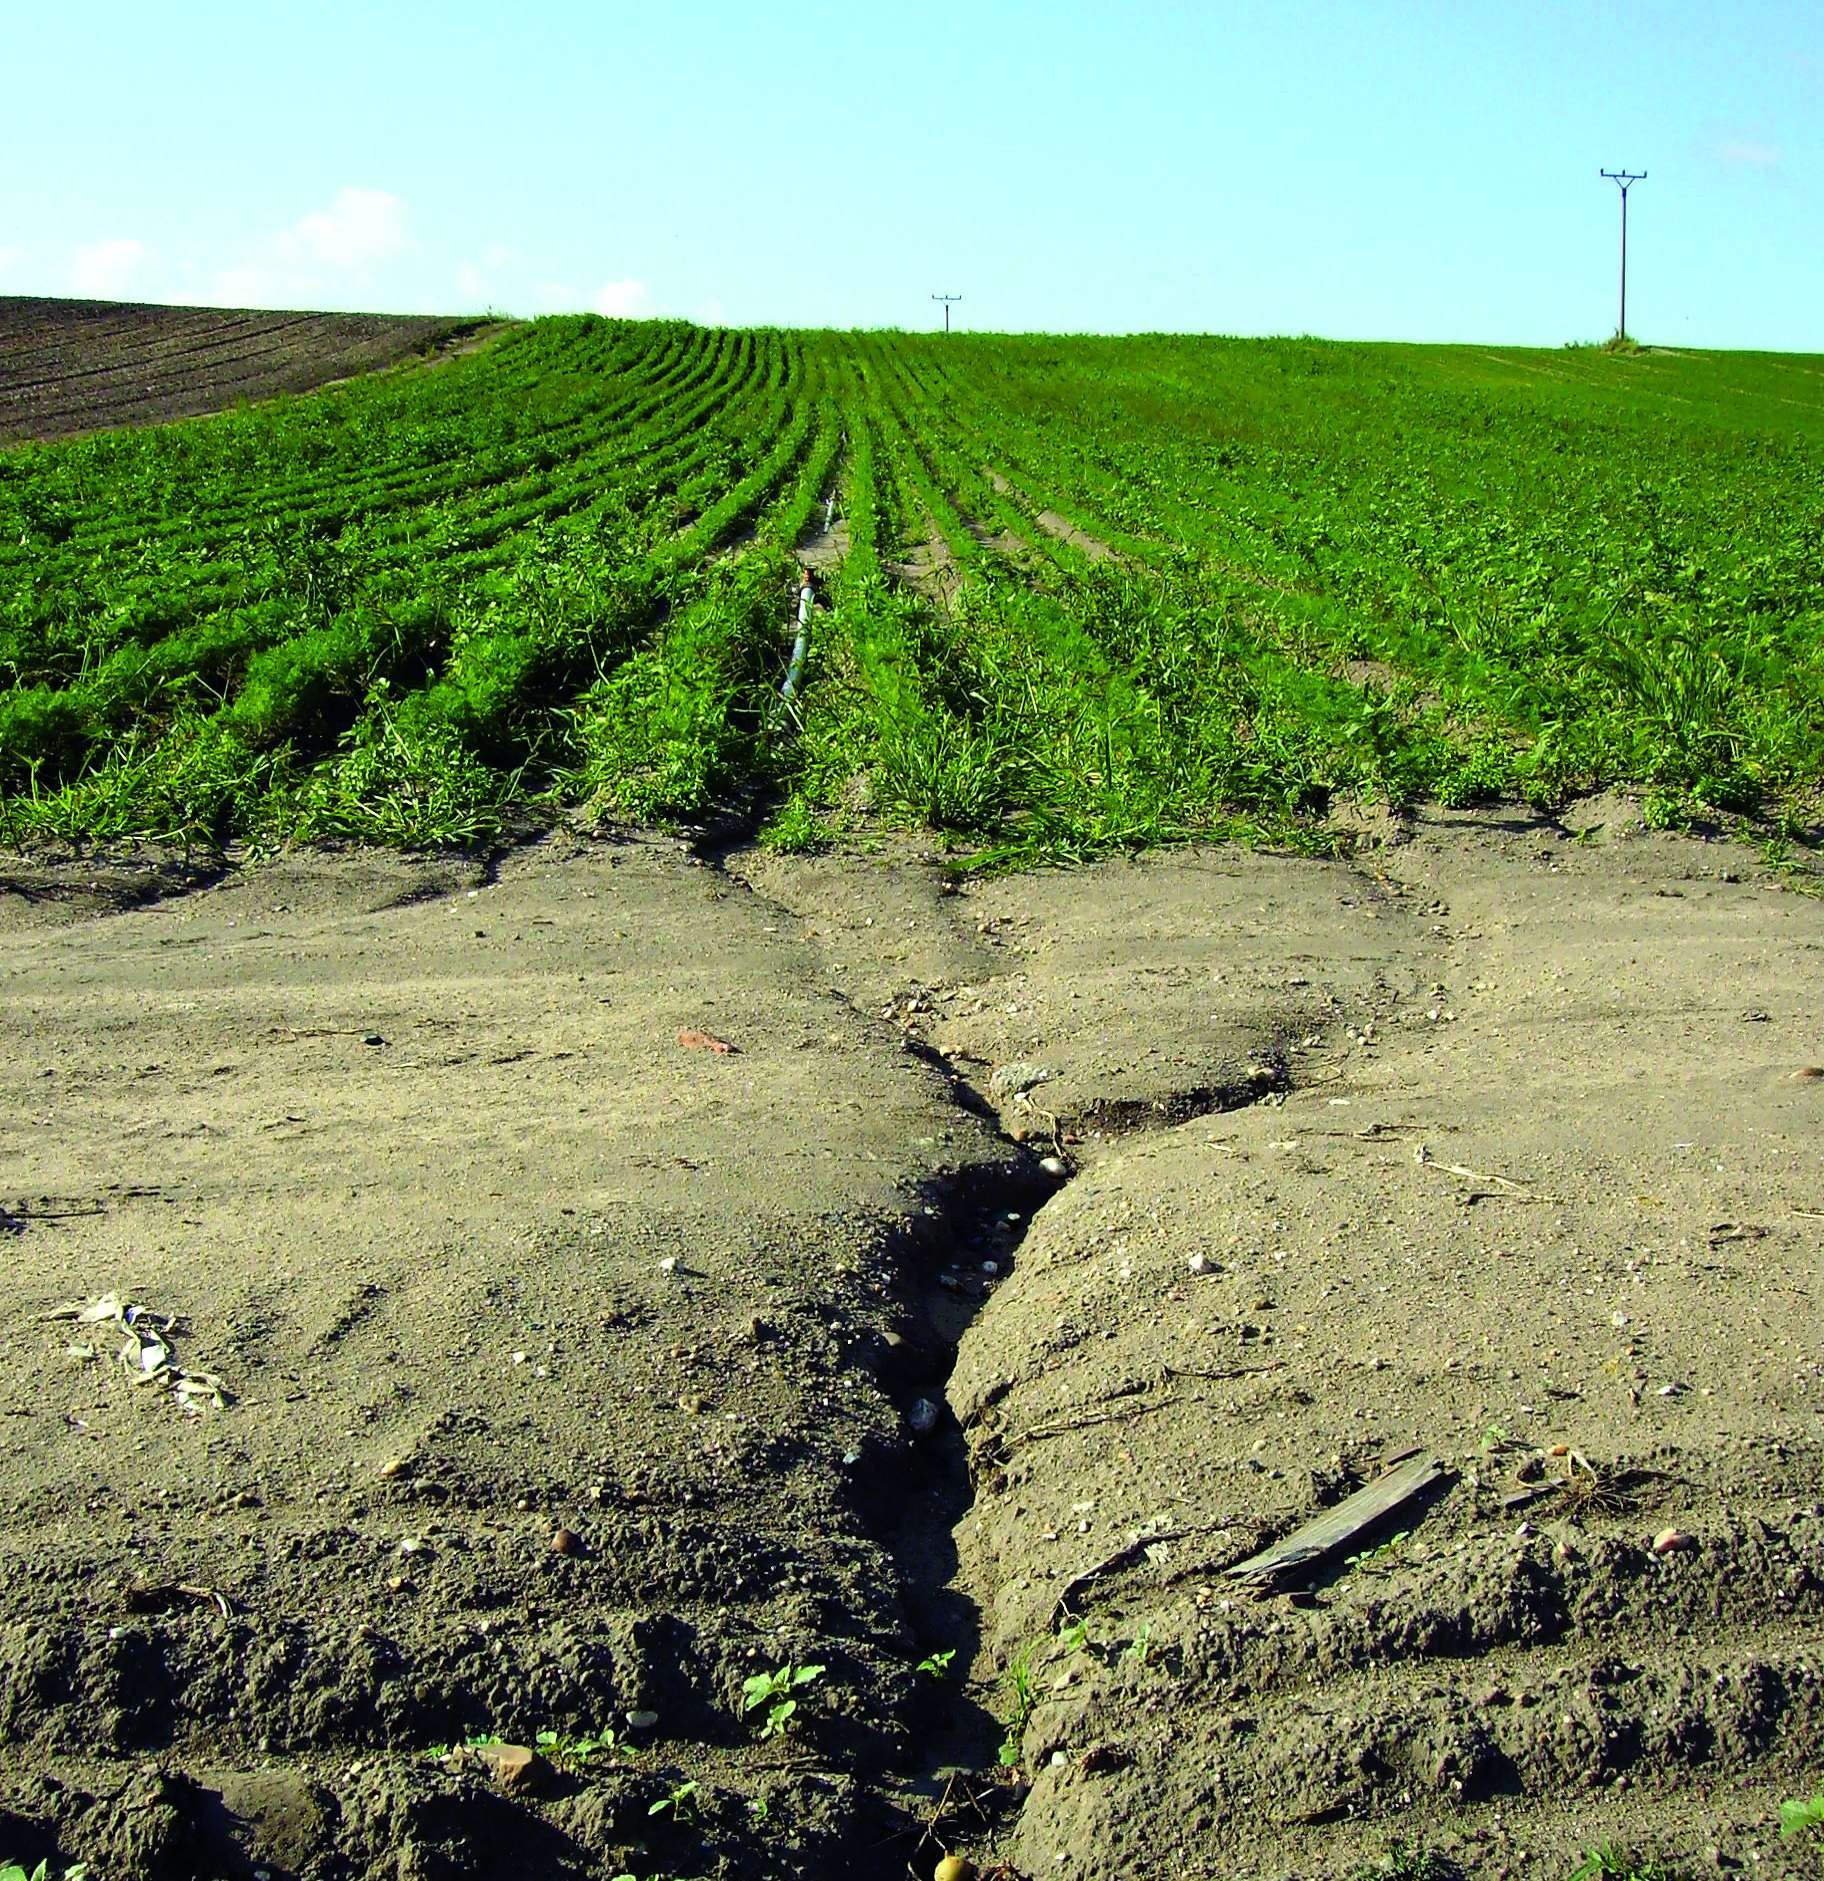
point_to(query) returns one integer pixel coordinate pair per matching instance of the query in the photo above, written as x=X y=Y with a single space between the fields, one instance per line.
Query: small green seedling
x=774 y=1690
x=441 y=1753
x=679 y=1803
x=1803 y=1816
x=1378 y=1560
x=1410 y=1861
x=937 y=1664
x=12 y=1871
x=1610 y=1863
x=1022 y=1697
x=579 y=1750
x=1075 y=1637
x=1137 y=1648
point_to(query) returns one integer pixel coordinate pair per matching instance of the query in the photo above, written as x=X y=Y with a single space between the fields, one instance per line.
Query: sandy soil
x=1492 y=1141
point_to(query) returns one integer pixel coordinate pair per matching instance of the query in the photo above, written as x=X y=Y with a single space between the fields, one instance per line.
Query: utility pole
x=946 y=299
x=1622 y=179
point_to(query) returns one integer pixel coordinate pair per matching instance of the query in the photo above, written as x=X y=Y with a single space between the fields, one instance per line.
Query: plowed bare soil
x=70 y=366
x=573 y=1369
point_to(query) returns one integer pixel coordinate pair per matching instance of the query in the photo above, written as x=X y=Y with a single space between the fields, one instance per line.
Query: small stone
x=373 y=1038
x=1055 y=1166
x=691 y=1402
x=1671 y=1541
x=1011 y=1079
x=566 y=1541
x=642 y=1720
x=518 y=1770
x=1808 y=1074
x=991 y=1267
x=922 y=1417
x=954 y=1868
x=669 y=1265
x=394 y=1466
x=412 y=1544
x=1200 y=1263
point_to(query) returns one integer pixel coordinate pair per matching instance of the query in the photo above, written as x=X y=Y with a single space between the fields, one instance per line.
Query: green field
x=557 y=574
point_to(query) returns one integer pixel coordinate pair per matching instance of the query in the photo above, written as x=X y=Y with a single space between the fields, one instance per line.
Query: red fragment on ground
x=695 y=1041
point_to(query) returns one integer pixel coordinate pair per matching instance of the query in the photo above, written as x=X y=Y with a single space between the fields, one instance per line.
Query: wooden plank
x=1327 y=1532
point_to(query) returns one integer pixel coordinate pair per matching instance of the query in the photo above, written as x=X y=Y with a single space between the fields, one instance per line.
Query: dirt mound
x=578 y=1373
x=70 y=366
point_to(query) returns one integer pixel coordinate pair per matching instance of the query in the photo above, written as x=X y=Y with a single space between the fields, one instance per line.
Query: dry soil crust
x=482 y=1253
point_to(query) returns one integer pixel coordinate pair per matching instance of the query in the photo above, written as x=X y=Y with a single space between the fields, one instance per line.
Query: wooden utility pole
x=946 y=299
x=1622 y=179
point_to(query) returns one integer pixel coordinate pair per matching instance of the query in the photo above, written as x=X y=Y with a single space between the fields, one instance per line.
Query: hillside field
x=601 y=1284
x=69 y=367
x=1078 y=593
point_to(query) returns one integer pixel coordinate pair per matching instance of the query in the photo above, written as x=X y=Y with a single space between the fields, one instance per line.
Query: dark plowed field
x=69 y=366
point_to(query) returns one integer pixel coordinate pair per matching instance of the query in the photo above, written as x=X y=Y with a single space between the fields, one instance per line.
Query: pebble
x=642 y=1720
x=1009 y=1080
x=954 y=1868
x=669 y=1265
x=396 y=1466
x=566 y=1541
x=517 y=1769
x=922 y=1417
x=1201 y=1263
x=1054 y=1166
x=1670 y=1541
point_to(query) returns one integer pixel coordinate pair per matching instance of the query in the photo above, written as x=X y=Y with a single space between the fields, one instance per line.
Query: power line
x=947 y=299
x=1622 y=179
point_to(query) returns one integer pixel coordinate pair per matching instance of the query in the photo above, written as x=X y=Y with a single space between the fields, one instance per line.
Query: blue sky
x=1416 y=171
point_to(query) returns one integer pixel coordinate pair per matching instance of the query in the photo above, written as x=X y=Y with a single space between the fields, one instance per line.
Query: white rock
x=1010 y=1080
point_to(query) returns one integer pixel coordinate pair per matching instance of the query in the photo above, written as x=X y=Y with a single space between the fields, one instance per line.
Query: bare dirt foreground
x=571 y=1372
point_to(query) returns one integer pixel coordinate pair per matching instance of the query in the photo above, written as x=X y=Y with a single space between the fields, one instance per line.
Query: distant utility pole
x=946 y=299
x=1622 y=179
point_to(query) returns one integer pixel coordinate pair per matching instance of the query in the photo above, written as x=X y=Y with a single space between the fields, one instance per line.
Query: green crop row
x=560 y=571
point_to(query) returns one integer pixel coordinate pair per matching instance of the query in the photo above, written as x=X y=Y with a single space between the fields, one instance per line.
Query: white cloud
x=480 y=280
x=622 y=300
x=1749 y=153
x=323 y=257
x=359 y=229
x=105 y=270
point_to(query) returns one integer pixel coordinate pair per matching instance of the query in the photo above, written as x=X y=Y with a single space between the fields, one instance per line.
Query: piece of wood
x=1327 y=1532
